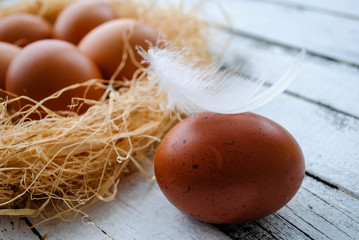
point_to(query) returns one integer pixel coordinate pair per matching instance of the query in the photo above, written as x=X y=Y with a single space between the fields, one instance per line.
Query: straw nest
x=61 y=164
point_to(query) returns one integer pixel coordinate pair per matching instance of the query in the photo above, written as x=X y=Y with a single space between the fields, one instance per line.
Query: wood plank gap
x=345 y=190
x=321 y=180
x=296 y=95
x=284 y=45
x=33 y=229
x=303 y=7
x=320 y=104
x=103 y=231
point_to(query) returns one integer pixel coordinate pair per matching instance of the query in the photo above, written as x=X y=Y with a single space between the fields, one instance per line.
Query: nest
x=64 y=163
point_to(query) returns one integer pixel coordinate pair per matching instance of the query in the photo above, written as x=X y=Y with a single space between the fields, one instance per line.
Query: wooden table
x=320 y=108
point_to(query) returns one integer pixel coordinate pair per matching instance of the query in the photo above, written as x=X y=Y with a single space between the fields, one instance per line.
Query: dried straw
x=61 y=164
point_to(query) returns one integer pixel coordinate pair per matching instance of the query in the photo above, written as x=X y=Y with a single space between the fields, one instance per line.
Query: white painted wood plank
x=270 y=227
x=14 y=228
x=346 y=8
x=339 y=207
x=321 y=80
x=141 y=211
x=79 y=229
x=336 y=198
x=321 y=34
x=316 y=212
x=328 y=139
x=324 y=217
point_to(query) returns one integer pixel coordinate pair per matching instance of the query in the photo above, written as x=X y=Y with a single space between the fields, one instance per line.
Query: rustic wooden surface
x=320 y=109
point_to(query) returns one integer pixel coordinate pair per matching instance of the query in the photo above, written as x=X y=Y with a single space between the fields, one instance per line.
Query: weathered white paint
x=329 y=139
x=80 y=228
x=346 y=8
x=336 y=198
x=140 y=211
x=14 y=228
x=322 y=34
x=328 y=82
x=316 y=212
x=324 y=216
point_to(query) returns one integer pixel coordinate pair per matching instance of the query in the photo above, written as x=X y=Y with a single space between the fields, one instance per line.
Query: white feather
x=193 y=89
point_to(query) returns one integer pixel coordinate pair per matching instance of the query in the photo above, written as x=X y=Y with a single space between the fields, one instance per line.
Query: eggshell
x=22 y=29
x=46 y=66
x=7 y=54
x=229 y=168
x=107 y=43
x=80 y=17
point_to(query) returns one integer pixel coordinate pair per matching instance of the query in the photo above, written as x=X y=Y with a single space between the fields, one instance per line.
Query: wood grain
x=142 y=212
x=81 y=228
x=328 y=139
x=312 y=214
x=322 y=81
x=324 y=35
x=15 y=228
x=346 y=8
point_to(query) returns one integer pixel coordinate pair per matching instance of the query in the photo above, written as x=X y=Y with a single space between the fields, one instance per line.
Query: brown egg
x=229 y=168
x=7 y=54
x=106 y=45
x=80 y=17
x=46 y=66
x=22 y=29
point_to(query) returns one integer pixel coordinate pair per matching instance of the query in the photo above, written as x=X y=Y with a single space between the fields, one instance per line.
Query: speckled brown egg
x=22 y=29
x=229 y=168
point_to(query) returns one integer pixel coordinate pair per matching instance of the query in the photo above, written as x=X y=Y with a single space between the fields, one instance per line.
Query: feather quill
x=192 y=89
